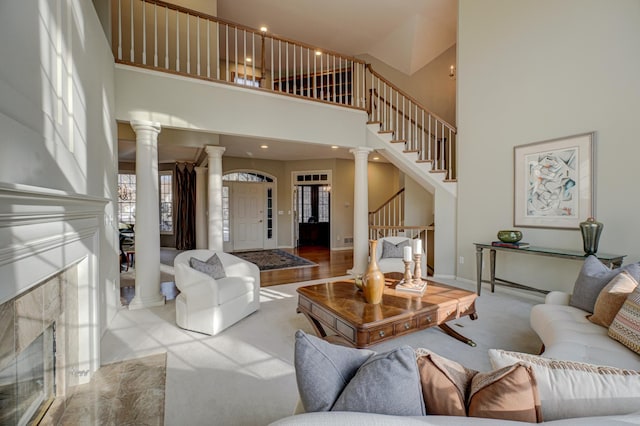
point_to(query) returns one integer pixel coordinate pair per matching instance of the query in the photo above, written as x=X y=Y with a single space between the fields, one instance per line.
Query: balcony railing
x=165 y=37
x=174 y=39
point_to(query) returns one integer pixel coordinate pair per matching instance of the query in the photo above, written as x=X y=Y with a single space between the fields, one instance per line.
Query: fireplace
x=50 y=297
x=27 y=385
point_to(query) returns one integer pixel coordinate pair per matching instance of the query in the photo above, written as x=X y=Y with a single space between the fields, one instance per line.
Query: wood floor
x=330 y=264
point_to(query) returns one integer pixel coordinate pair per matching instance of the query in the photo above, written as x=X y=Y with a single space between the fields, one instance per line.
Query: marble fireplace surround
x=49 y=268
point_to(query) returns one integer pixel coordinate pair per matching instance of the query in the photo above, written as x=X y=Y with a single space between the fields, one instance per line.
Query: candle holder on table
x=415 y=285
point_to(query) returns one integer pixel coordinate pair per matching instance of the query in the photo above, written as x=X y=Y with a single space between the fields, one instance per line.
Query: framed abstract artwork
x=554 y=182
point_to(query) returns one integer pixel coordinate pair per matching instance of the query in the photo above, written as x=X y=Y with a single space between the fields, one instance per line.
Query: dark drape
x=185 y=206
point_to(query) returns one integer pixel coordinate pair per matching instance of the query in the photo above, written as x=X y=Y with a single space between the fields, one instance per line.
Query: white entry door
x=248 y=216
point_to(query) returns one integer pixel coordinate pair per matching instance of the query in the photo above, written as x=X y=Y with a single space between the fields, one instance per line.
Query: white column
x=202 y=231
x=147 y=229
x=360 y=210
x=215 y=197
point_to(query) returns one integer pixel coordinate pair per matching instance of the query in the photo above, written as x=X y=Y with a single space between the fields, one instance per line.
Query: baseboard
x=341 y=248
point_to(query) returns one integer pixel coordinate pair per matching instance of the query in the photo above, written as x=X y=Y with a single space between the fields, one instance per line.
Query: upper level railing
x=165 y=37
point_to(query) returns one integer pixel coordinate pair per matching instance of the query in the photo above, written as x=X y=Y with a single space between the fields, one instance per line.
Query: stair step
x=409 y=151
x=450 y=180
x=437 y=171
x=424 y=161
x=382 y=132
x=374 y=122
x=398 y=141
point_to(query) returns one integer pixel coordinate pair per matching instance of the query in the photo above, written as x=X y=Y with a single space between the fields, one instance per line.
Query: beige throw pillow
x=509 y=393
x=444 y=384
x=611 y=299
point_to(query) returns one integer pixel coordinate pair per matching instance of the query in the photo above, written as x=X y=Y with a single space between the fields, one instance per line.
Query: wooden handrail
x=387 y=202
x=404 y=115
x=397 y=89
x=402 y=227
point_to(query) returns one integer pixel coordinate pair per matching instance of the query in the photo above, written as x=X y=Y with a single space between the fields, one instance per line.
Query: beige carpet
x=245 y=375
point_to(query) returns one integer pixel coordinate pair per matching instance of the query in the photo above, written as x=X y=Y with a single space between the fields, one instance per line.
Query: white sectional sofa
x=567 y=334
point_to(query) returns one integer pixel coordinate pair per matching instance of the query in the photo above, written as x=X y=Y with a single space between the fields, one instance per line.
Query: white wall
x=534 y=70
x=57 y=128
x=430 y=85
x=187 y=103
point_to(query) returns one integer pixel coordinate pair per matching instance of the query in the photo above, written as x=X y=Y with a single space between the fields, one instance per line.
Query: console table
x=610 y=260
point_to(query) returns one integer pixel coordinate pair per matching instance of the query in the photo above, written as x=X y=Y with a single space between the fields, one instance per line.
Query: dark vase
x=591 y=230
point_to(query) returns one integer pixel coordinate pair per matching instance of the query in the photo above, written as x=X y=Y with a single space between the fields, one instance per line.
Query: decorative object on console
x=519 y=244
x=553 y=182
x=509 y=235
x=591 y=230
x=373 y=280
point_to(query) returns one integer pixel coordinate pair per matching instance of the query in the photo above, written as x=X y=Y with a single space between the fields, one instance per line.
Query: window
x=246 y=82
x=313 y=203
x=246 y=177
x=226 y=232
x=127 y=198
x=166 y=202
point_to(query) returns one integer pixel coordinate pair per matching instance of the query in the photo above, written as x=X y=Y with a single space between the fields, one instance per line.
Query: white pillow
x=574 y=389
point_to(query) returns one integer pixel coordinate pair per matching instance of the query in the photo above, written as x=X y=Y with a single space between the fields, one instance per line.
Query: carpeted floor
x=245 y=375
x=267 y=260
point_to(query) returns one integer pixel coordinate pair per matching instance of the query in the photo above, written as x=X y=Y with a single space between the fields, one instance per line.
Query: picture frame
x=554 y=182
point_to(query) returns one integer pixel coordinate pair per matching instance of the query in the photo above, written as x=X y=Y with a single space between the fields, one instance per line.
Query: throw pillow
x=593 y=276
x=212 y=267
x=444 y=384
x=394 y=250
x=509 y=393
x=387 y=383
x=625 y=327
x=575 y=389
x=611 y=299
x=323 y=370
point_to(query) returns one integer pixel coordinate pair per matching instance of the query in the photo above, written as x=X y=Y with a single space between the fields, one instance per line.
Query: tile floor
x=123 y=393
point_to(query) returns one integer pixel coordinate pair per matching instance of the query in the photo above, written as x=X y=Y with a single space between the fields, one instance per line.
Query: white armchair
x=209 y=305
x=395 y=264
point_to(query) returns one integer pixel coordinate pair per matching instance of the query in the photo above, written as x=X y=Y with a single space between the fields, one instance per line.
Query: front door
x=248 y=216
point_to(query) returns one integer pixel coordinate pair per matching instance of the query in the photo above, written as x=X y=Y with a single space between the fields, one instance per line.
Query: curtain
x=185 y=206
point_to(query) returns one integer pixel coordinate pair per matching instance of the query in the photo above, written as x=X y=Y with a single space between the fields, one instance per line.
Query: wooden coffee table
x=340 y=307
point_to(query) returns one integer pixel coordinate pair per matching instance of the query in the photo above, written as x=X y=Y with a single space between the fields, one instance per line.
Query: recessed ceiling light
x=318 y=53
x=249 y=59
x=263 y=29
x=376 y=158
x=334 y=146
x=264 y=146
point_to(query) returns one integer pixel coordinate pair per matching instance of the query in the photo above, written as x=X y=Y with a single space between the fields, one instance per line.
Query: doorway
x=248 y=211
x=313 y=205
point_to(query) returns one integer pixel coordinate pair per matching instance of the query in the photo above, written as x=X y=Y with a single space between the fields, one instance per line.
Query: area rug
x=130 y=392
x=267 y=260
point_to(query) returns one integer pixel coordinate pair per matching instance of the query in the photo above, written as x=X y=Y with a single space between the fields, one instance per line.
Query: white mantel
x=43 y=232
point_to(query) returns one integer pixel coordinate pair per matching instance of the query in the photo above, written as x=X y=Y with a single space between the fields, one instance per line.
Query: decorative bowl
x=509 y=236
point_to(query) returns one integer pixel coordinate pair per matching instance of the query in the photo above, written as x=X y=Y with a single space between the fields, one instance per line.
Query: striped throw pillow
x=625 y=327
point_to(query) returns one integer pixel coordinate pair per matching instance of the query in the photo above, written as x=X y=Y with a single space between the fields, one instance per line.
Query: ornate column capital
x=361 y=151
x=214 y=151
x=142 y=125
